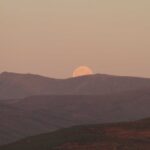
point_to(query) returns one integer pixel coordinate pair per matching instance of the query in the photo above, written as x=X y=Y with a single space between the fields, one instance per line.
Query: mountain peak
x=8 y=74
x=96 y=84
x=15 y=75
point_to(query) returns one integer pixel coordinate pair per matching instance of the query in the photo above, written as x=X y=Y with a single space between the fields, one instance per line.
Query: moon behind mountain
x=82 y=71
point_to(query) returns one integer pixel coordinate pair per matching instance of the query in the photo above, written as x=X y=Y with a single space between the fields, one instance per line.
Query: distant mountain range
x=13 y=85
x=32 y=104
x=120 y=136
x=40 y=114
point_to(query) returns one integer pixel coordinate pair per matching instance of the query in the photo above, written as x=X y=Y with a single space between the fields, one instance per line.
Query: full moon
x=82 y=71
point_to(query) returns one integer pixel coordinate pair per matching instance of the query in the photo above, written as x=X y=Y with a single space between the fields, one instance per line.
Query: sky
x=53 y=37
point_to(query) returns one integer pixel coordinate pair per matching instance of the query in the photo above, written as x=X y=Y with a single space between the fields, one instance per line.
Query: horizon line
x=95 y=74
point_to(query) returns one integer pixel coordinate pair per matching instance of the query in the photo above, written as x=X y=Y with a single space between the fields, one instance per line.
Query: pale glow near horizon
x=52 y=37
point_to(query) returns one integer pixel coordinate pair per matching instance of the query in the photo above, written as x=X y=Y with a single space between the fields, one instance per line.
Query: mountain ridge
x=119 y=136
x=14 y=85
x=40 y=114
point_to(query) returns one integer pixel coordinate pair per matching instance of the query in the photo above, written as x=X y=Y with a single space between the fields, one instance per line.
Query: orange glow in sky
x=82 y=71
x=51 y=37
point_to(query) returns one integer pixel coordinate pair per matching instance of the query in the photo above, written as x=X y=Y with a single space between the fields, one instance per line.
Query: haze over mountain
x=33 y=104
x=120 y=136
x=13 y=85
x=40 y=114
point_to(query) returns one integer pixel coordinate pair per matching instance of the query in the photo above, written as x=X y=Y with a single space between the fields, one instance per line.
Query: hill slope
x=41 y=114
x=120 y=136
x=13 y=85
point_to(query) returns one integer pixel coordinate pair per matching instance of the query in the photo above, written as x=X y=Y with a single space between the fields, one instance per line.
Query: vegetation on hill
x=120 y=136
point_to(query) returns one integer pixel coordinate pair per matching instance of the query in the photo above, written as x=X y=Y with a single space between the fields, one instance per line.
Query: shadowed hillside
x=40 y=114
x=120 y=136
x=14 y=85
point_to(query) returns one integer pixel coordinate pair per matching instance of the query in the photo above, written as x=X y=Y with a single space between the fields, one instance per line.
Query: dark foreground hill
x=120 y=136
x=40 y=114
x=13 y=85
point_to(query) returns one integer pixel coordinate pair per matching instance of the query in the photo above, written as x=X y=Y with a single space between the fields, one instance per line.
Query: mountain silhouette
x=119 y=136
x=40 y=114
x=13 y=85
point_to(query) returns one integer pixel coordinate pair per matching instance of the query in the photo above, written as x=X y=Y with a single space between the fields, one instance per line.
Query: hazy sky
x=53 y=37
